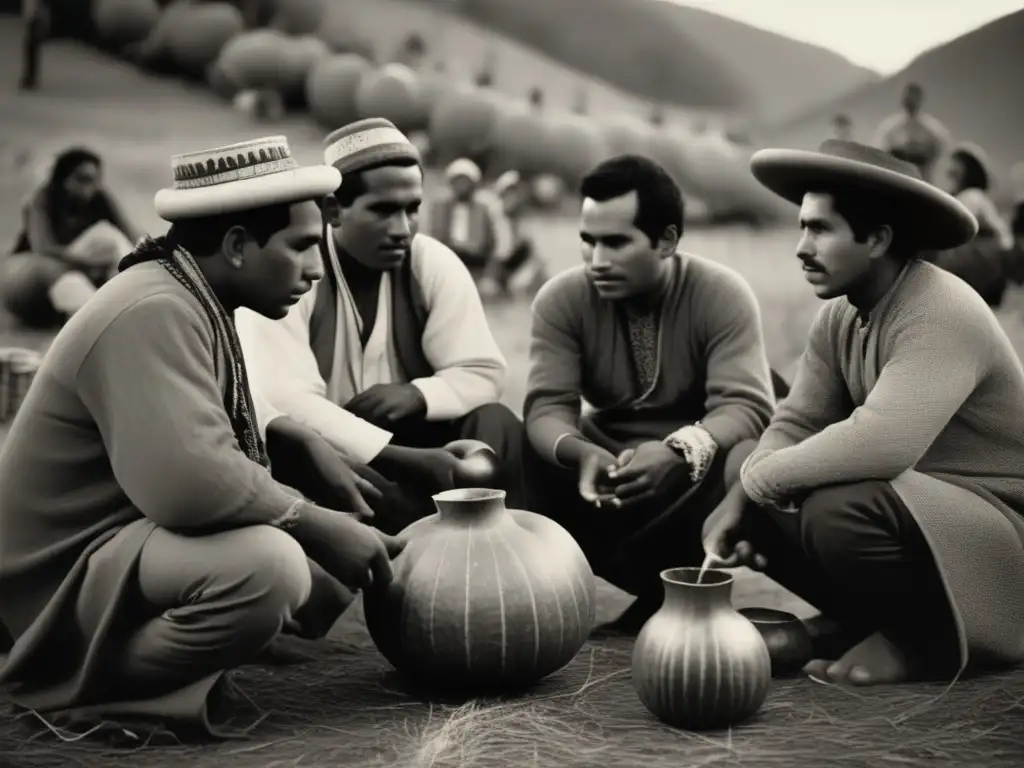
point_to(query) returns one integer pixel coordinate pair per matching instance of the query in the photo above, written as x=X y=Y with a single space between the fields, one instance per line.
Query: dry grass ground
x=137 y=124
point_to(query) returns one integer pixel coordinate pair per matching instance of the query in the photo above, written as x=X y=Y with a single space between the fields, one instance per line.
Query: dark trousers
x=493 y=424
x=629 y=547
x=35 y=34
x=855 y=552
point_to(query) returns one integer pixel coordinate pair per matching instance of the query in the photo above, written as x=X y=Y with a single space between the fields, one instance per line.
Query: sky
x=884 y=35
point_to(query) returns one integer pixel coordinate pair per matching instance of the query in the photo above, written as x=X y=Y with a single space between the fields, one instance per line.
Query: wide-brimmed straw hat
x=927 y=216
x=239 y=177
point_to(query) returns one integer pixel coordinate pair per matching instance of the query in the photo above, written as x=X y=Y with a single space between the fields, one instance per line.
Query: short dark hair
x=659 y=199
x=865 y=214
x=203 y=235
x=353 y=184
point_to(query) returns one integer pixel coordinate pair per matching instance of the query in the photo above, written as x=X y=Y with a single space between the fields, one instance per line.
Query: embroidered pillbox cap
x=243 y=176
x=366 y=143
x=936 y=219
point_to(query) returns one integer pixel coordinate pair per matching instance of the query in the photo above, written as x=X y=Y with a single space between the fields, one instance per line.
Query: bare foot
x=873 y=661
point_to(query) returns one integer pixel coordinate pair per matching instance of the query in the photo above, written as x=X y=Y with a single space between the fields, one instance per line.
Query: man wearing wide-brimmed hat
x=888 y=489
x=146 y=547
x=391 y=356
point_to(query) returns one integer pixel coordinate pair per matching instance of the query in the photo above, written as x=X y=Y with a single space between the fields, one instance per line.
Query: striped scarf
x=238 y=398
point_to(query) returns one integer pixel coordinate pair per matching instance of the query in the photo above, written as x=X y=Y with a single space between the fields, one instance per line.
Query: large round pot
x=698 y=663
x=484 y=598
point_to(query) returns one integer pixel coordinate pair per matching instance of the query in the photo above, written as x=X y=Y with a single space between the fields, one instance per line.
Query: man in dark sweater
x=668 y=350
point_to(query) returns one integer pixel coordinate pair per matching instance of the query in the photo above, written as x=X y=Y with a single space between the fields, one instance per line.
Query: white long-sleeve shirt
x=457 y=342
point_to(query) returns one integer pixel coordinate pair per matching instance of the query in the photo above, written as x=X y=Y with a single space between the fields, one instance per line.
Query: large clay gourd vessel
x=484 y=597
x=698 y=663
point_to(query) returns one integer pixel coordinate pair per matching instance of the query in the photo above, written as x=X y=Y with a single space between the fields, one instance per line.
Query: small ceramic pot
x=697 y=663
x=788 y=641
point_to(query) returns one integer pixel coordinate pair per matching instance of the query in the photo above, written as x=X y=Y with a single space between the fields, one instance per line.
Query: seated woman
x=73 y=235
x=982 y=262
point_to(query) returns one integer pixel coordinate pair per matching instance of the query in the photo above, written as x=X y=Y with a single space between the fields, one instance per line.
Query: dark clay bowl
x=788 y=641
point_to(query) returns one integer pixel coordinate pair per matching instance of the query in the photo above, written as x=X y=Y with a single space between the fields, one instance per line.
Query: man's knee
x=833 y=518
x=272 y=574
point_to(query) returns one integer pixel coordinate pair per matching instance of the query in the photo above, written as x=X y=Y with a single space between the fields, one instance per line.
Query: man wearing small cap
x=887 y=490
x=146 y=547
x=390 y=357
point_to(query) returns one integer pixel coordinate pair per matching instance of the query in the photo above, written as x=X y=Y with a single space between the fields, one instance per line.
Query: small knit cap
x=366 y=143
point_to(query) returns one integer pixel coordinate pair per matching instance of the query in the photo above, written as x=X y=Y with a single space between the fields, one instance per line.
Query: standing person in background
x=469 y=220
x=35 y=16
x=912 y=134
x=74 y=233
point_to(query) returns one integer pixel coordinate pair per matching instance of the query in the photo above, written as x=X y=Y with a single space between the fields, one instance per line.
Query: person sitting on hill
x=887 y=490
x=983 y=262
x=469 y=219
x=74 y=233
x=390 y=357
x=147 y=546
x=522 y=265
x=667 y=348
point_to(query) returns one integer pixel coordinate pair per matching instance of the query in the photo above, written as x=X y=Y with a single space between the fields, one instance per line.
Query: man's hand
x=646 y=471
x=437 y=466
x=594 y=468
x=301 y=458
x=348 y=490
x=434 y=467
x=720 y=530
x=355 y=554
x=384 y=404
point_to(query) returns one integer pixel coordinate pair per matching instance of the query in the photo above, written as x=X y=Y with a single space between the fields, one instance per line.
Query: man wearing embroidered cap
x=146 y=545
x=887 y=490
x=390 y=357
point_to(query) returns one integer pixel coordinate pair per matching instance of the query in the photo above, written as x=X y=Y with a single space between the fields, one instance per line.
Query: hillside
x=662 y=52
x=671 y=53
x=972 y=85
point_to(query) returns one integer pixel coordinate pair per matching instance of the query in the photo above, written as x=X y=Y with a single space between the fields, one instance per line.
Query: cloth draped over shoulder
x=409 y=313
x=711 y=362
x=139 y=417
x=927 y=394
